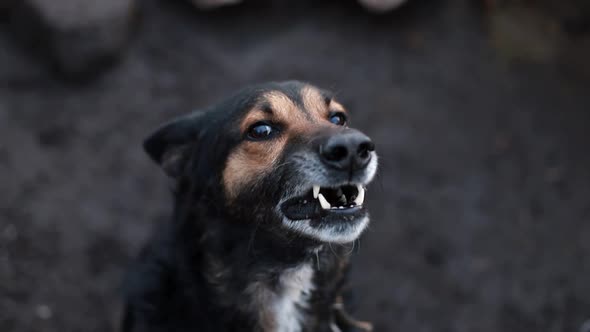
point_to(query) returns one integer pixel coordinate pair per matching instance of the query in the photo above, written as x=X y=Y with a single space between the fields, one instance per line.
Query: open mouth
x=322 y=201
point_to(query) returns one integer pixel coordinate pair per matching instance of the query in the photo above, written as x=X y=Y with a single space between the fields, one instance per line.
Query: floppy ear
x=169 y=144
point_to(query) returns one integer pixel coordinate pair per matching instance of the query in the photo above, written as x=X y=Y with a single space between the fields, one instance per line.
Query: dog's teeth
x=323 y=202
x=316 y=191
x=360 y=197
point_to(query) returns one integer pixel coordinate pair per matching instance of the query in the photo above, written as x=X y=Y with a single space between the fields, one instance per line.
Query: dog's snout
x=347 y=150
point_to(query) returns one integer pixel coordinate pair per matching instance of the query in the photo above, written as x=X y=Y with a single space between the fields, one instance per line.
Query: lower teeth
x=343 y=207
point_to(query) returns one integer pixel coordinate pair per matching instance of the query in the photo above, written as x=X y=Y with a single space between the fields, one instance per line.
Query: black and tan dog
x=266 y=183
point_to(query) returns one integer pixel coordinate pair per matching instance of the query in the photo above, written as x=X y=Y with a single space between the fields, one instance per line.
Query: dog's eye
x=260 y=131
x=338 y=119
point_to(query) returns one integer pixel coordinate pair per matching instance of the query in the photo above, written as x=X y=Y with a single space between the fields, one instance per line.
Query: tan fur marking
x=252 y=117
x=249 y=161
x=285 y=109
x=315 y=103
x=336 y=106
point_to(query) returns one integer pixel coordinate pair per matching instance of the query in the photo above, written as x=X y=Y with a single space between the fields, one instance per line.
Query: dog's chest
x=291 y=298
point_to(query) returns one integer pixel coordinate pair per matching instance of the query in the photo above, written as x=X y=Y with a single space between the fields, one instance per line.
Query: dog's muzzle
x=327 y=202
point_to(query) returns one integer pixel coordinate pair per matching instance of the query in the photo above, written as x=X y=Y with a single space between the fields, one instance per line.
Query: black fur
x=193 y=273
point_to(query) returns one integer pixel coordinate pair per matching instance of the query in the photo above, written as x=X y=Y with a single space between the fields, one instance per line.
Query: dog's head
x=280 y=155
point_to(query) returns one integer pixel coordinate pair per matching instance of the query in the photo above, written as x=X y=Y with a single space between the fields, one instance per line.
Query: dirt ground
x=481 y=212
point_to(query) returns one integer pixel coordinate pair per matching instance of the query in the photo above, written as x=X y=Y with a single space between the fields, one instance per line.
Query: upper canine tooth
x=360 y=197
x=316 y=191
x=323 y=202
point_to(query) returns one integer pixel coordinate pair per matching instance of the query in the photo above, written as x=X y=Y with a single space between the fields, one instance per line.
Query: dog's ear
x=168 y=145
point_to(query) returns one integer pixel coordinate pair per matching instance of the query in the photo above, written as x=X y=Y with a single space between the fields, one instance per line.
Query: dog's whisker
x=317 y=258
x=332 y=250
x=252 y=237
x=351 y=248
x=284 y=164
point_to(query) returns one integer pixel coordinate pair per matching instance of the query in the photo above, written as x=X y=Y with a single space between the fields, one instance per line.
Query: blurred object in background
x=381 y=6
x=77 y=38
x=542 y=31
x=527 y=34
x=211 y=4
x=80 y=38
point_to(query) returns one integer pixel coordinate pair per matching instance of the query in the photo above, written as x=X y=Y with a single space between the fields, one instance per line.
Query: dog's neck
x=255 y=271
x=242 y=242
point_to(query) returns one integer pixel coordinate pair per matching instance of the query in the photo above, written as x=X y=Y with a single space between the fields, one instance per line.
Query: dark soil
x=481 y=212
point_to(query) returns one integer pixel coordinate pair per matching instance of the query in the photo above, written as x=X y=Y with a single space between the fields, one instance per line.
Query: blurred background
x=480 y=110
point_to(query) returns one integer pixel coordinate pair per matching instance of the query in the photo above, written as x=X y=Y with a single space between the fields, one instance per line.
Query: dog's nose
x=349 y=150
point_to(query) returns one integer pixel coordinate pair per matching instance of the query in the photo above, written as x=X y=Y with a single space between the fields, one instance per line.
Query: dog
x=269 y=188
